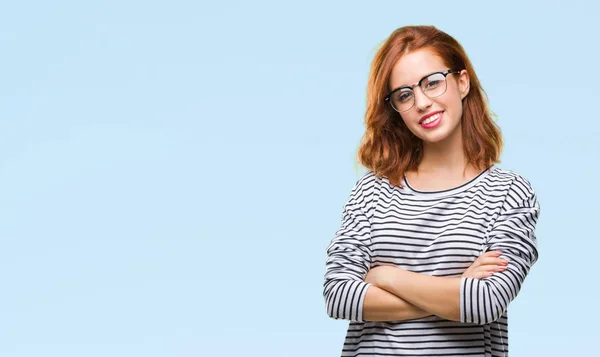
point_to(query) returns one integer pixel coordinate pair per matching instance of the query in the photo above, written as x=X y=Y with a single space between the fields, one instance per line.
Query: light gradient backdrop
x=171 y=172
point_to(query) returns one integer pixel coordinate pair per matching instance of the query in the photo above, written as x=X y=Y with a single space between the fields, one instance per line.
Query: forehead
x=413 y=66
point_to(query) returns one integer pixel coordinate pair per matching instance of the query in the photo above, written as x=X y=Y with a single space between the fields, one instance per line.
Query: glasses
x=433 y=85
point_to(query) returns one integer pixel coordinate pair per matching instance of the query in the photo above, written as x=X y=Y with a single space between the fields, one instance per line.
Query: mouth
x=431 y=120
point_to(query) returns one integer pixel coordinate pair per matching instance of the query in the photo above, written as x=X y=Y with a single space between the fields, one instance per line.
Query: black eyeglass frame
x=412 y=87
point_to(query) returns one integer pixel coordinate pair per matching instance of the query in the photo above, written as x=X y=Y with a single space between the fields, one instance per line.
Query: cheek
x=410 y=121
x=412 y=125
x=458 y=108
x=455 y=104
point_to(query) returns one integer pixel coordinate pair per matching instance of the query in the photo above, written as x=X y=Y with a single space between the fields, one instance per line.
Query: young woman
x=436 y=240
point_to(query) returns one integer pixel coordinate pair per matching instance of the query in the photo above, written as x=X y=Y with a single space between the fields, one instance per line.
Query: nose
x=422 y=102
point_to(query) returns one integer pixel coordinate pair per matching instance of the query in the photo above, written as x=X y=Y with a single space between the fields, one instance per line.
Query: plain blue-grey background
x=171 y=172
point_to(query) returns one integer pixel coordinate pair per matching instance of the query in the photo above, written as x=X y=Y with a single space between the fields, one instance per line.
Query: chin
x=433 y=137
x=437 y=136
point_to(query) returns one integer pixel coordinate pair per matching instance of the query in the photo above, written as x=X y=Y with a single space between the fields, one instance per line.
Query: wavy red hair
x=388 y=147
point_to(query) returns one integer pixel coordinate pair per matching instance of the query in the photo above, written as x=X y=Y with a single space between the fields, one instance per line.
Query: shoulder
x=367 y=189
x=367 y=181
x=510 y=177
x=516 y=186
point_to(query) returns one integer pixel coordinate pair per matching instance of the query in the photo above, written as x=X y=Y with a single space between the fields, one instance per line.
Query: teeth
x=431 y=119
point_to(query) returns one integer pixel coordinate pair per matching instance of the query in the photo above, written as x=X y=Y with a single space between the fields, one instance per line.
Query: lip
x=434 y=123
x=428 y=115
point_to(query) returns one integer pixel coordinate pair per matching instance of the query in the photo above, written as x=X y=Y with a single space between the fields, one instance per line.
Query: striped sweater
x=438 y=233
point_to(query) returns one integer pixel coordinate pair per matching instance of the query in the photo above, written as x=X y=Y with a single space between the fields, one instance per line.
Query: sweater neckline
x=450 y=191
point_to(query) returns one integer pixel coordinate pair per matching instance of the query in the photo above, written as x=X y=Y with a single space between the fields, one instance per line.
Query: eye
x=434 y=81
x=433 y=84
x=403 y=96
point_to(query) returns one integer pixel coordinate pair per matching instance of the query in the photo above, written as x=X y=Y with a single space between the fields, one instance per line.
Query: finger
x=492 y=253
x=488 y=255
x=490 y=269
x=489 y=273
x=480 y=274
x=493 y=261
x=485 y=257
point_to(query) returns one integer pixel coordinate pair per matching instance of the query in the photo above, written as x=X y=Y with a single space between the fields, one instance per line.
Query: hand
x=486 y=265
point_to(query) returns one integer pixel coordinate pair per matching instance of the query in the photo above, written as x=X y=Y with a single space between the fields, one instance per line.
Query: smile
x=432 y=121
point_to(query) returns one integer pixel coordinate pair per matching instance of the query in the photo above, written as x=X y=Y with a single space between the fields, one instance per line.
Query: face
x=445 y=110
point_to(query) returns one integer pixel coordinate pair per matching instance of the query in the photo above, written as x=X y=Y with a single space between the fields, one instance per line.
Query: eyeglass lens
x=432 y=86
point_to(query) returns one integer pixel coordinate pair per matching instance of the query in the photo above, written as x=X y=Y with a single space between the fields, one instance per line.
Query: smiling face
x=433 y=120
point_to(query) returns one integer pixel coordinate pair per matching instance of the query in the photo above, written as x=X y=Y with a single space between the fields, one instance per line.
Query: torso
x=439 y=231
x=412 y=227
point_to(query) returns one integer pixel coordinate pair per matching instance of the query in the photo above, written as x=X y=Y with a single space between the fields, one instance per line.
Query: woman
x=436 y=241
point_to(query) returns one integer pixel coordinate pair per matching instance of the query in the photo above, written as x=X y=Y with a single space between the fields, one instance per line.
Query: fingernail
x=503 y=261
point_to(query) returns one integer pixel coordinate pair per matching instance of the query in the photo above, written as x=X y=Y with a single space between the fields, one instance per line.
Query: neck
x=446 y=157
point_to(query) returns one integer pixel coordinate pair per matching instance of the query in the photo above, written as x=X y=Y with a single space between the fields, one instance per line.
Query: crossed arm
x=354 y=291
x=397 y=294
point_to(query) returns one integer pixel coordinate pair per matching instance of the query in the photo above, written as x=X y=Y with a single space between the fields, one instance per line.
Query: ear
x=463 y=83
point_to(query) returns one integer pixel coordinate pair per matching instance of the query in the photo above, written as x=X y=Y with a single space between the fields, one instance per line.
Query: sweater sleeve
x=349 y=255
x=513 y=233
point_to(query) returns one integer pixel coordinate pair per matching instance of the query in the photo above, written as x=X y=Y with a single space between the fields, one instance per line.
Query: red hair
x=388 y=147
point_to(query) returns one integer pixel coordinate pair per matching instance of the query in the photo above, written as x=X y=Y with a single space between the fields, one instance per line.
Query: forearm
x=381 y=305
x=435 y=295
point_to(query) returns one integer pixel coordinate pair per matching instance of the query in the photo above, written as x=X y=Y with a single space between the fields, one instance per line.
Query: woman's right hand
x=486 y=265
